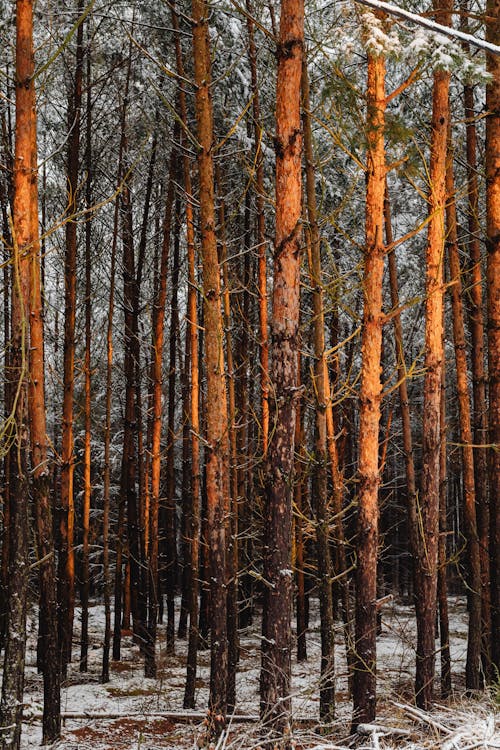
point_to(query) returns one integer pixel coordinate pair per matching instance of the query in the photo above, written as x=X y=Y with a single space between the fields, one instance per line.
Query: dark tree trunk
x=170 y=511
x=321 y=387
x=66 y=567
x=442 y=583
x=480 y=412
x=473 y=565
x=192 y=336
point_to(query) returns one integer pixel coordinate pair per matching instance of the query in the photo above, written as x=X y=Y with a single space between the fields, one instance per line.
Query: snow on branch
x=395 y=10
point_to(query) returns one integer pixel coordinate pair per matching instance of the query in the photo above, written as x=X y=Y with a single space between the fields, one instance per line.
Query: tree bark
x=156 y=408
x=473 y=564
x=192 y=333
x=492 y=156
x=232 y=509
x=66 y=567
x=480 y=411
x=217 y=449
x=261 y=232
x=23 y=247
x=275 y=708
x=364 y=679
x=321 y=387
x=426 y=561
x=411 y=485
x=442 y=582
x=87 y=455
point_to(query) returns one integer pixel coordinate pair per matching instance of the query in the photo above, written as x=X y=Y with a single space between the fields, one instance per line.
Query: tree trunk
x=171 y=566
x=300 y=510
x=411 y=487
x=321 y=387
x=5 y=200
x=492 y=156
x=192 y=333
x=87 y=457
x=364 y=679
x=217 y=449
x=23 y=246
x=261 y=233
x=156 y=408
x=275 y=708
x=107 y=457
x=442 y=583
x=66 y=569
x=480 y=412
x=473 y=564
x=426 y=560
x=232 y=509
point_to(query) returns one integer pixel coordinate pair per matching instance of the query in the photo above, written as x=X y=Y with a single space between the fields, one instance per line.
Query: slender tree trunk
x=23 y=246
x=41 y=475
x=232 y=509
x=87 y=457
x=473 y=565
x=275 y=677
x=186 y=491
x=5 y=200
x=128 y=484
x=157 y=378
x=321 y=387
x=364 y=682
x=411 y=486
x=66 y=571
x=261 y=232
x=300 y=482
x=192 y=333
x=143 y=499
x=477 y=334
x=171 y=531
x=492 y=156
x=107 y=459
x=119 y=536
x=426 y=560
x=442 y=583
x=217 y=449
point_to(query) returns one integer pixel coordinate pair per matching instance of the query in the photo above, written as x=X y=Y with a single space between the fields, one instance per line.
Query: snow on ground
x=461 y=724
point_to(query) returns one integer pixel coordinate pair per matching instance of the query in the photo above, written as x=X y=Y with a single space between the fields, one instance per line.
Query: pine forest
x=250 y=374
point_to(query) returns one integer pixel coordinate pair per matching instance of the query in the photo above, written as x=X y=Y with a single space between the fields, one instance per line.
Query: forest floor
x=129 y=707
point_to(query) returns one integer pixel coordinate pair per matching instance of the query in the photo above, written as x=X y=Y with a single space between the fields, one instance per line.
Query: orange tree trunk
x=11 y=702
x=276 y=627
x=364 y=680
x=41 y=474
x=473 y=563
x=217 y=449
x=157 y=378
x=493 y=286
x=426 y=561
